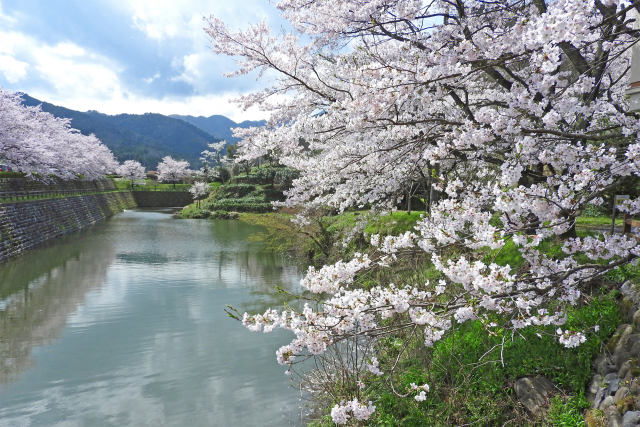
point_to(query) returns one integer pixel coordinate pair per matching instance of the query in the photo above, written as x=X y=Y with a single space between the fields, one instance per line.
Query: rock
x=636 y=319
x=613 y=417
x=635 y=349
x=631 y=418
x=624 y=369
x=596 y=384
x=635 y=387
x=612 y=382
x=608 y=401
x=630 y=340
x=621 y=351
x=603 y=365
x=533 y=393
x=620 y=394
x=599 y=397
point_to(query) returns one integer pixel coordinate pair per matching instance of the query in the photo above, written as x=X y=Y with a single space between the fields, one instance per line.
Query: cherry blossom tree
x=199 y=191
x=514 y=110
x=171 y=170
x=212 y=158
x=131 y=170
x=40 y=145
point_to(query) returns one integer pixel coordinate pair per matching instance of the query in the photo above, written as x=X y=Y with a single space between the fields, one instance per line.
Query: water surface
x=124 y=324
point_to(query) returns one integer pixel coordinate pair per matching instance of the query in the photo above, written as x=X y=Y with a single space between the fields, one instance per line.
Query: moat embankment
x=33 y=212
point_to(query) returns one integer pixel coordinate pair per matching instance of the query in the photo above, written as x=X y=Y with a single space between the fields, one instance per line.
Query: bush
x=237 y=190
x=224 y=215
x=241 y=205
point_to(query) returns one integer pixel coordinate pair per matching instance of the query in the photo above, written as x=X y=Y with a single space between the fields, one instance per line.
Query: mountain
x=218 y=126
x=143 y=137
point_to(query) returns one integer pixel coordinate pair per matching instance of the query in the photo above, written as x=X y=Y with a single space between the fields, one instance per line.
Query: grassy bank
x=225 y=198
x=471 y=372
x=149 y=185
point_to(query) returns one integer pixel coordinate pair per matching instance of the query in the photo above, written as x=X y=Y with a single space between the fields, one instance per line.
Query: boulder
x=631 y=418
x=534 y=393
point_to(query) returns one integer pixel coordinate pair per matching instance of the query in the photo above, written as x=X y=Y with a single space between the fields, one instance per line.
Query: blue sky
x=125 y=56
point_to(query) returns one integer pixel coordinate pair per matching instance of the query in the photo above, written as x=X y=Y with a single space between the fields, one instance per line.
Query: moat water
x=123 y=324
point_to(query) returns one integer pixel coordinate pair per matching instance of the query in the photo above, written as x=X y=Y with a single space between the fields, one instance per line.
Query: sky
x=126 y=56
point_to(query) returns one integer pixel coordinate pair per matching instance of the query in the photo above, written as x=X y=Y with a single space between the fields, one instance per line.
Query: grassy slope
x=464 y=390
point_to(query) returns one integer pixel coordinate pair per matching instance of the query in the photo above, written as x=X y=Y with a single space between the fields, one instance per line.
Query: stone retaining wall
x=158 y=199
x=16 y=188
x=27 y=224
x=615 y=388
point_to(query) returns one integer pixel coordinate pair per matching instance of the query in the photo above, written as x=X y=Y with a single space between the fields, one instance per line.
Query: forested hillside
x=218 y=126
x=143 y=137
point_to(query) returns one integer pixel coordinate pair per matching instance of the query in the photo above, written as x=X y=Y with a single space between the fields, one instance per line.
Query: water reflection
x=39 y=291
x=128 y=328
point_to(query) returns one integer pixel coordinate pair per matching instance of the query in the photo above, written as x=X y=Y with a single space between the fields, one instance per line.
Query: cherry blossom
x=131 y=170
x=171 y=170
x=40 y=145
x=511 y=115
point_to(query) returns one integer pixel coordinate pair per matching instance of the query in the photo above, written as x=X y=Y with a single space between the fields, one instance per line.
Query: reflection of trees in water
x=264 y=272
x=40 y=289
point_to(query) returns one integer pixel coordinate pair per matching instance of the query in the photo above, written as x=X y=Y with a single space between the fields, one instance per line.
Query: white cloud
x=66 y=67
x=74 y=76
x=149 y=80
x=162 y=19
x=12 y=69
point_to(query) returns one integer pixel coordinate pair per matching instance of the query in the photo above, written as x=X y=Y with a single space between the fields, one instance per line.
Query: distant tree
x=213 y=156
x=40 y=145
x=171 y=170
x=199 y=191
x=212 y=159
x=131 y=170
x=223 y=174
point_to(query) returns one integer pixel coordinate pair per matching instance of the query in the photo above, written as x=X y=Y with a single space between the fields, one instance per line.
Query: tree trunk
x=434 y=195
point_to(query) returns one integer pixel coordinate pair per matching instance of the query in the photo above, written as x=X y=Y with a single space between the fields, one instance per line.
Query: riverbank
x=33 y=212
x=475 y=377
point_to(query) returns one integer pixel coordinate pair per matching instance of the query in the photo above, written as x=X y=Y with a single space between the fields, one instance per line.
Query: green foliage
x=390 y=224
x=596 y=221
x=470 y=385
x=238 y=197
x=624 y=273
x=149 y=185
x=241 y=205
x=223 y=215
x=567 y=413
x=595 y=211
x=193 y=211
x=237 y=190
x=11 y=174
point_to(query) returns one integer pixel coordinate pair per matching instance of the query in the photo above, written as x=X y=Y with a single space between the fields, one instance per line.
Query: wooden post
x=627 y=224
x=613 y=214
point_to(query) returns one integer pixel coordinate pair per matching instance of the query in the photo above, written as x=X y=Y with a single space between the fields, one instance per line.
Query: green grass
x=596 y=221
x=151 y=185
x=470 y=385
x=11 y=174
x=392 y=223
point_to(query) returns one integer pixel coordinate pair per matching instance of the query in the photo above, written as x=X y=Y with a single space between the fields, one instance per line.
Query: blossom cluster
x=341 y=413
x=40 y=145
